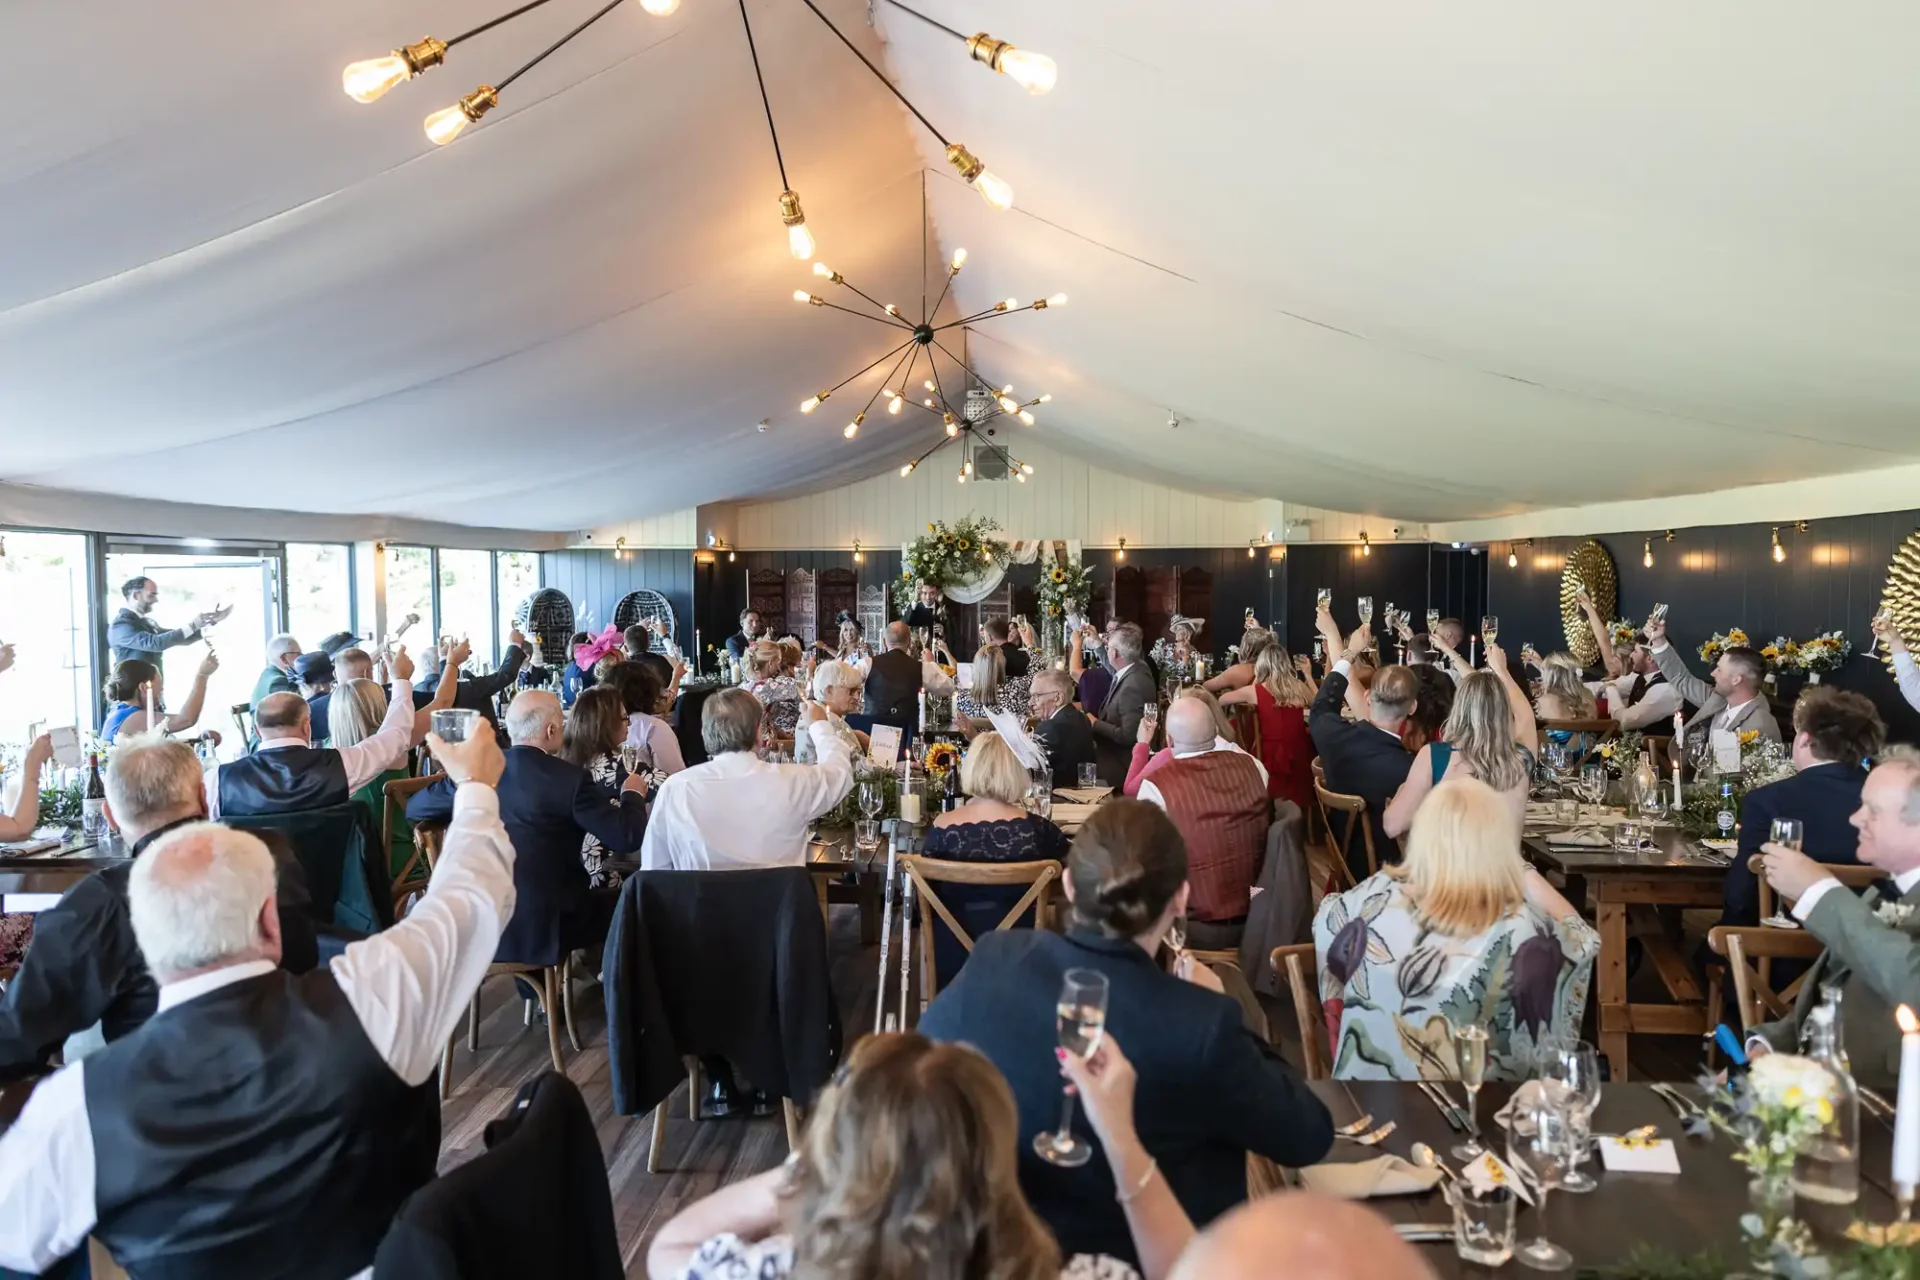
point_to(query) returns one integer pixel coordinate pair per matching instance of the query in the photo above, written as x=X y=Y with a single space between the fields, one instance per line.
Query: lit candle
x=152 y=724
x=1679 y=742
x=910 y=807
x=1473 y=651
x=1906 y=1124
x=1199 y=669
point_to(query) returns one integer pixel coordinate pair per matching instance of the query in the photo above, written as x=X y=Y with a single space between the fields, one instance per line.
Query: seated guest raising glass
x=1638 y=696
x=1733 y=702
x=1364 y=756
x=596 y=729
x=268 y=1123
x=475 y=693
x=1490 y=735
x=735 y=811
x=908 y=1169
x=1004 y=635
x=1407 y=952
x=777 y=691
x=993 y=689
x=1218 y=801
x=1433 y=703
x=1059 y=726
x=836 y=687
x=1563 y=694
x=992 y=826
x=1834 y=735
x=1210 y=1090
x=549 y=806
x=656 y=749
x=574 y=678
x=1241 y=674
x=1905 y=673
x=1280 y=699
x=1087 y=664
x=135 y=681
x=356 y=712
x=896 y=678
x=84 y=967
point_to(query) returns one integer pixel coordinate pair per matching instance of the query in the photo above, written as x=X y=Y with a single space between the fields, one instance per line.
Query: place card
x=66 y=746
x=1639 y=1155
x=963 y=678
x=1489 y=1172
x=883 y=745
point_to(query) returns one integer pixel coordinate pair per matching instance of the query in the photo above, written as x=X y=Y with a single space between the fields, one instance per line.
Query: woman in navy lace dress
x=992 y=826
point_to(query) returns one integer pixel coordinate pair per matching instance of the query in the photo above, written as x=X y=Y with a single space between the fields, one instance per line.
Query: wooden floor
x=705 y=1155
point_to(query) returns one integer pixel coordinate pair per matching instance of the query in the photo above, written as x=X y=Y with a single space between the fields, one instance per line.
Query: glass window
x=518 y=573
x=319 y=591
x=43 y=607
x=466 y=601
x=410 y=591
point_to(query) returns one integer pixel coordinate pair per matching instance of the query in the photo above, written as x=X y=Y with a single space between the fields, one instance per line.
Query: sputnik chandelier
x=981 y=403
x=368 y=80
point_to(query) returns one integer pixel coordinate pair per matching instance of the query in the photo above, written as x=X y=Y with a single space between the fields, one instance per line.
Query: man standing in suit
x=1060 y=727
x=895 y=679
x=1734 y=702
x=742 y=640
x=1364 y=758
x=549 y=806
x=1834 y=732
x=132 y=634
x=1873 y=940
x=474 y=693
x=1117 y=723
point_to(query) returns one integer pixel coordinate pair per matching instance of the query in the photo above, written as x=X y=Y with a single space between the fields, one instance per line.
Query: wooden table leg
x=1611 y=986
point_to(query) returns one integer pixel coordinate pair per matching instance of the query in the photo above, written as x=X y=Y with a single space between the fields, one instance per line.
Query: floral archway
x=967 y=562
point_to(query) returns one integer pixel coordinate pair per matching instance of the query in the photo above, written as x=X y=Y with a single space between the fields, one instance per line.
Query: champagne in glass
x=1080 y=1019
x=1489 y=628
x=1882 y=621
x=1366 y=609
x=1433 y=621
x=1540 y=1148
x=1787 y=831
x=1470 y=1056
x=1323 y=598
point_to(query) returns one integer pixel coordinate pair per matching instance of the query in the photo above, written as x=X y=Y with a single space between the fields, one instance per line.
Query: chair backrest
x=346 y=869
x=1355 y=807
x=1298 y=962
x=1747 y=951
x=243 y=721
x=925 y=872
x=426 y=839
x=1856 y=876
x=1590 y=732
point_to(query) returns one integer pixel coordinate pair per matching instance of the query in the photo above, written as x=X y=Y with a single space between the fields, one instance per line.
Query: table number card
x=1639 y=1155
x=883 y=745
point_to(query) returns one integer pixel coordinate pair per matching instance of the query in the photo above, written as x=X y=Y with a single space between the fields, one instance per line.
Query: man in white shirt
x=1872 y=940
x=1905 y=673
x=1638 y=696
x=736 y=812
x=261 y=1122
x=1734 y=703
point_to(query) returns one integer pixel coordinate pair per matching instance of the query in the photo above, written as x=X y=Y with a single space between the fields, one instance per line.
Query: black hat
x=339 y=640
x=313 y=668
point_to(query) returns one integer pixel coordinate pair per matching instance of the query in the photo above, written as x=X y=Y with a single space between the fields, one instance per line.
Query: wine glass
x=1080 y=1017
x=1489 y=628
x=1366 y=609
x=1470 y=1053
x=1323 y=598
x=1787 y=831
x=1541 y=1149
x=1593 y=783
x=1433 y=621
x=1575 y=1066
x=872 y=797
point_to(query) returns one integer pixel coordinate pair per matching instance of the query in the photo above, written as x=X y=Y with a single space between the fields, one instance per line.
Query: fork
x=1359 y=1126
x=1683 y=1107
x=1370 y=1139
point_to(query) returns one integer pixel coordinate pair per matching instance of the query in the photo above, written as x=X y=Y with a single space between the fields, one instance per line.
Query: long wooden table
x=1640 y=895
x=57 y=870
x=1683 y=1215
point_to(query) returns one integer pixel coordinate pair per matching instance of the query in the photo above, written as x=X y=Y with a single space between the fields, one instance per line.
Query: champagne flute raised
x=1366 y=609
x=1489 y=628
x=1080 y=1017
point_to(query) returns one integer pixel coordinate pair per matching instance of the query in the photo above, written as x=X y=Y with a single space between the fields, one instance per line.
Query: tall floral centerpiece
x=1783 y=1103
x=949 y=555
x=1066 y=588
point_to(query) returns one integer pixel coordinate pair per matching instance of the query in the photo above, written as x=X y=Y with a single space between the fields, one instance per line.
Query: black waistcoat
x=281 y=780
x=254 y=1131
x=893 y=688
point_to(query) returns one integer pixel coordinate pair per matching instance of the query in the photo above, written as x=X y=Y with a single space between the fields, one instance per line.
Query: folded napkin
x=1070 y=817
x=1581 y=838
x=1083 y=795
x=1366 y=1179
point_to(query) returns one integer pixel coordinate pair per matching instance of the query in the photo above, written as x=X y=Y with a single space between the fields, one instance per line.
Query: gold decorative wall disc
x=1591 y=567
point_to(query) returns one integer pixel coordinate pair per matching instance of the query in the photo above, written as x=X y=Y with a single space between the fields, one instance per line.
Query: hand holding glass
x=455 y=724
x=1080 y=1019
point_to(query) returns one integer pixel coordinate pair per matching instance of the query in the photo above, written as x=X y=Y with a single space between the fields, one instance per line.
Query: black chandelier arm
x=913 y=355
x=928 y=315
x=541 y=56
x=889 y=320
x=941 y=26
x=754 y=51
x=856 y=373
x=938 y=445
x=883 y=385
x=939 y=391
x=877 y=73
x=843 y=283
x=988 y=314
x=969 y=368
x=488 y=26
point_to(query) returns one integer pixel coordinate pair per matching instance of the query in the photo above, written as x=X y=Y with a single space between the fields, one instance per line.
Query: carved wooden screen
x=873 y=615
x=839 y=593
x=1196 y=601
x=767 y=596
x=802 y=618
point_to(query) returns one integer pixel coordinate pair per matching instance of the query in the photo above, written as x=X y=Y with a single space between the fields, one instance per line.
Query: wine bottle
x=93 y=805
x=951 y=799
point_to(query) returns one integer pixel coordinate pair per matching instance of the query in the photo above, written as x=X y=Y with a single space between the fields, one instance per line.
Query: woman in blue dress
x=127 y=690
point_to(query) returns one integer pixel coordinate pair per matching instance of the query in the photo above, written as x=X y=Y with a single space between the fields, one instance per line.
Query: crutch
x=886 y=938
x=906 y=940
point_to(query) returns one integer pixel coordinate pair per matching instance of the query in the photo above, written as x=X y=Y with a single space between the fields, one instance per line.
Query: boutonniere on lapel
x=1896 y=914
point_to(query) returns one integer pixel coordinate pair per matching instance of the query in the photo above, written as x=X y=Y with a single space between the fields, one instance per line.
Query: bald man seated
x=261 y=1123
x=1297 y=1233
x=550 y=806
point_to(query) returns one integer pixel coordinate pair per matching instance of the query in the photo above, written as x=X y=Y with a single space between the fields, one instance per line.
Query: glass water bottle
x=1827 y=1170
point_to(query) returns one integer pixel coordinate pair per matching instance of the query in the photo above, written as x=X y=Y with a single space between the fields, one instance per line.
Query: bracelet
x=1153 y=1167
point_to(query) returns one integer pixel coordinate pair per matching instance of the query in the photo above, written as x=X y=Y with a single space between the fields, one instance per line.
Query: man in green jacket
x=278 y=676
x=1873 y=939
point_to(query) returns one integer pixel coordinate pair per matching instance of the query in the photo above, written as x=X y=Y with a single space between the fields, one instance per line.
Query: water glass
x=1626 y=836
x=1483 y=1224
x=455 y=724
x=1540 y=1148
x=866 y=833
x=1566 y=811
x=1080 y=1019
x=1089 y=775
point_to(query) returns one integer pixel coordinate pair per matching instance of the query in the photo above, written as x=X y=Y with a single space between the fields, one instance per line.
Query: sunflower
x=1059 y=575
x=965 y=545
x=942 y=756
x=929 y=528
x=1053 y=611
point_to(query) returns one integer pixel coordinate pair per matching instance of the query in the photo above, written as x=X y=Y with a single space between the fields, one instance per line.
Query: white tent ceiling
x=1435 y=262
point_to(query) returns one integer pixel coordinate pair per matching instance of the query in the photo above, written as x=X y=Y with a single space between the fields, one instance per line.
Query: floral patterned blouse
x=1012 y=698
x=781 y=697
x=728 y=1257
x=1391 y=986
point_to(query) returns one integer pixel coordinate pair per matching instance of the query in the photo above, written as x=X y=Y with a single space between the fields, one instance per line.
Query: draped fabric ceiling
x=1427 y=261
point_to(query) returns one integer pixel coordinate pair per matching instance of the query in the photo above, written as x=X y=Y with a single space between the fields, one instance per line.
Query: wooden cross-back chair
x=1746 y=950
x=926 y=872
x=1592 y=732
x=1332 y=802
x=1854 y=876
x=413 y=876
x=243 y=721
x=1299 y=964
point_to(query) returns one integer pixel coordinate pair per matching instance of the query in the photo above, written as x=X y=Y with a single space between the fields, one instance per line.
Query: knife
x=1442 y=1104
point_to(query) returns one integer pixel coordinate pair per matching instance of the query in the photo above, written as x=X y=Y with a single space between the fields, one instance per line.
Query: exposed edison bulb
x=1026 y=468
x=1007 y=390
x=963 y=475
x=1513 y=560
x=906 y=471
x=810 y=404
x=1779 y=552
x=959 y=259
x=928 y=384
x=446 y=124
x=953 y=427
x=892 y=310
x=1008 y=405
x=1057 y=300
x=995 y=190
x=800 y=241
x=1020 y=476
x=1026 y=417
x=822 y=270
x=1034 y=72
x=1048 y=396
x=853 y=428
x=928 y=402
x=801 y=295
x=666 y=8
x=368 y=80
x=893 y=405
x=1646 y=554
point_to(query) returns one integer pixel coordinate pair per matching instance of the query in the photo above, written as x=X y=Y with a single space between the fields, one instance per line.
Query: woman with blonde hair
x=909 y=1170
x=1489 y=735
x=1280 y=696
x=1462 y=931
x=993 y=689
x=354 y=714
x=1563 y=694
x=1241 y=674
x=778 y=692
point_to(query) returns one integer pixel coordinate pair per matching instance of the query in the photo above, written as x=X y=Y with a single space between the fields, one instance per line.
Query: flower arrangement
x=1717 y=644
x=1761 y=762
x=941 y=756
x=1065 y=588
x=1621 y=632
x=1782 y=655
x=947 y=555
x=1622 y=754
x=1825 y=653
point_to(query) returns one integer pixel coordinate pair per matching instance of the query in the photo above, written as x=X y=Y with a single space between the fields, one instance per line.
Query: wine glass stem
x=1543 y=1244
x=1064 y=1137
x=1473 y=1114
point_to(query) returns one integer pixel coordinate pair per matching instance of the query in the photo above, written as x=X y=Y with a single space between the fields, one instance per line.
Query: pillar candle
x=1679 y=742
x=1906 y=1124
x=152 y=724
x=1473 y=651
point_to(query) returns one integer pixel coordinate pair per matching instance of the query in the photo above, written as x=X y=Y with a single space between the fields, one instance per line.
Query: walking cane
x=886 y=939
x=906 y=941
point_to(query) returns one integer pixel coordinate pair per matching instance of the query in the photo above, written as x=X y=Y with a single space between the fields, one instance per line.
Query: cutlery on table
x=1427 y=1158
x=1359 y=1126
x=1455 y=1118
x=1424 y=1232
x=1369 y=1139
x=1683 y=1107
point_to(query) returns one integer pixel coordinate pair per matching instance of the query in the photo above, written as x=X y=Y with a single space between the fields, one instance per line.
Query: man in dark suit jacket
x=84 y=966
x=476 y=693
x=1363 y=757
x=1116 y=723
x=549 y=806
x=1060 y=726
x=1209 y=1089
x=750 y=630
x=1834 y=733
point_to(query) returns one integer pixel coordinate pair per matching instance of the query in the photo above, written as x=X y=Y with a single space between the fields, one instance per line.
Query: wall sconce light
x=1366 y=547
x=1513 y=552
x=856 y=553
x=1779 y=552
x=1121 y=554
x=1646 y=554
x=620 y=548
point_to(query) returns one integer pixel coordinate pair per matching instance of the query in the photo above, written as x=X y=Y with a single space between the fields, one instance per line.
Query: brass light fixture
x=1513 y=552
x=1779 y=552
x=1646 y=554
x=620 y=548
x=856 y=551
x=1121 y=554
x=1366 y=547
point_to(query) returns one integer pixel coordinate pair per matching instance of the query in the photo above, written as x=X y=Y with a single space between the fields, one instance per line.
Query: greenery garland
x=949 y=555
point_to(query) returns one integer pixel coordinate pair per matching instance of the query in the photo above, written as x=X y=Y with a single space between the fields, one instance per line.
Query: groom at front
x=1872 y=940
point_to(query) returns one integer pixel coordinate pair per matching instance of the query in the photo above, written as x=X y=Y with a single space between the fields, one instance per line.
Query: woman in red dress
x=1280 y=697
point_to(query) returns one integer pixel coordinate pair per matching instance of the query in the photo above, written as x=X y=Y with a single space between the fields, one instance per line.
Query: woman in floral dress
x=777 y=691
x=1461 y=932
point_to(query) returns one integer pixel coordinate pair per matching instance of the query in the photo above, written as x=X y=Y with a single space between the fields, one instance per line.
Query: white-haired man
x=735 y=811
x=261 y=1123
x=278 y=676
x=550 y=806
x=84 y=967
x=287 y=773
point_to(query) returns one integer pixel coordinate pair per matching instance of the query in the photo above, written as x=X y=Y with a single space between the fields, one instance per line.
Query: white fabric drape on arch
x=1025 y=551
